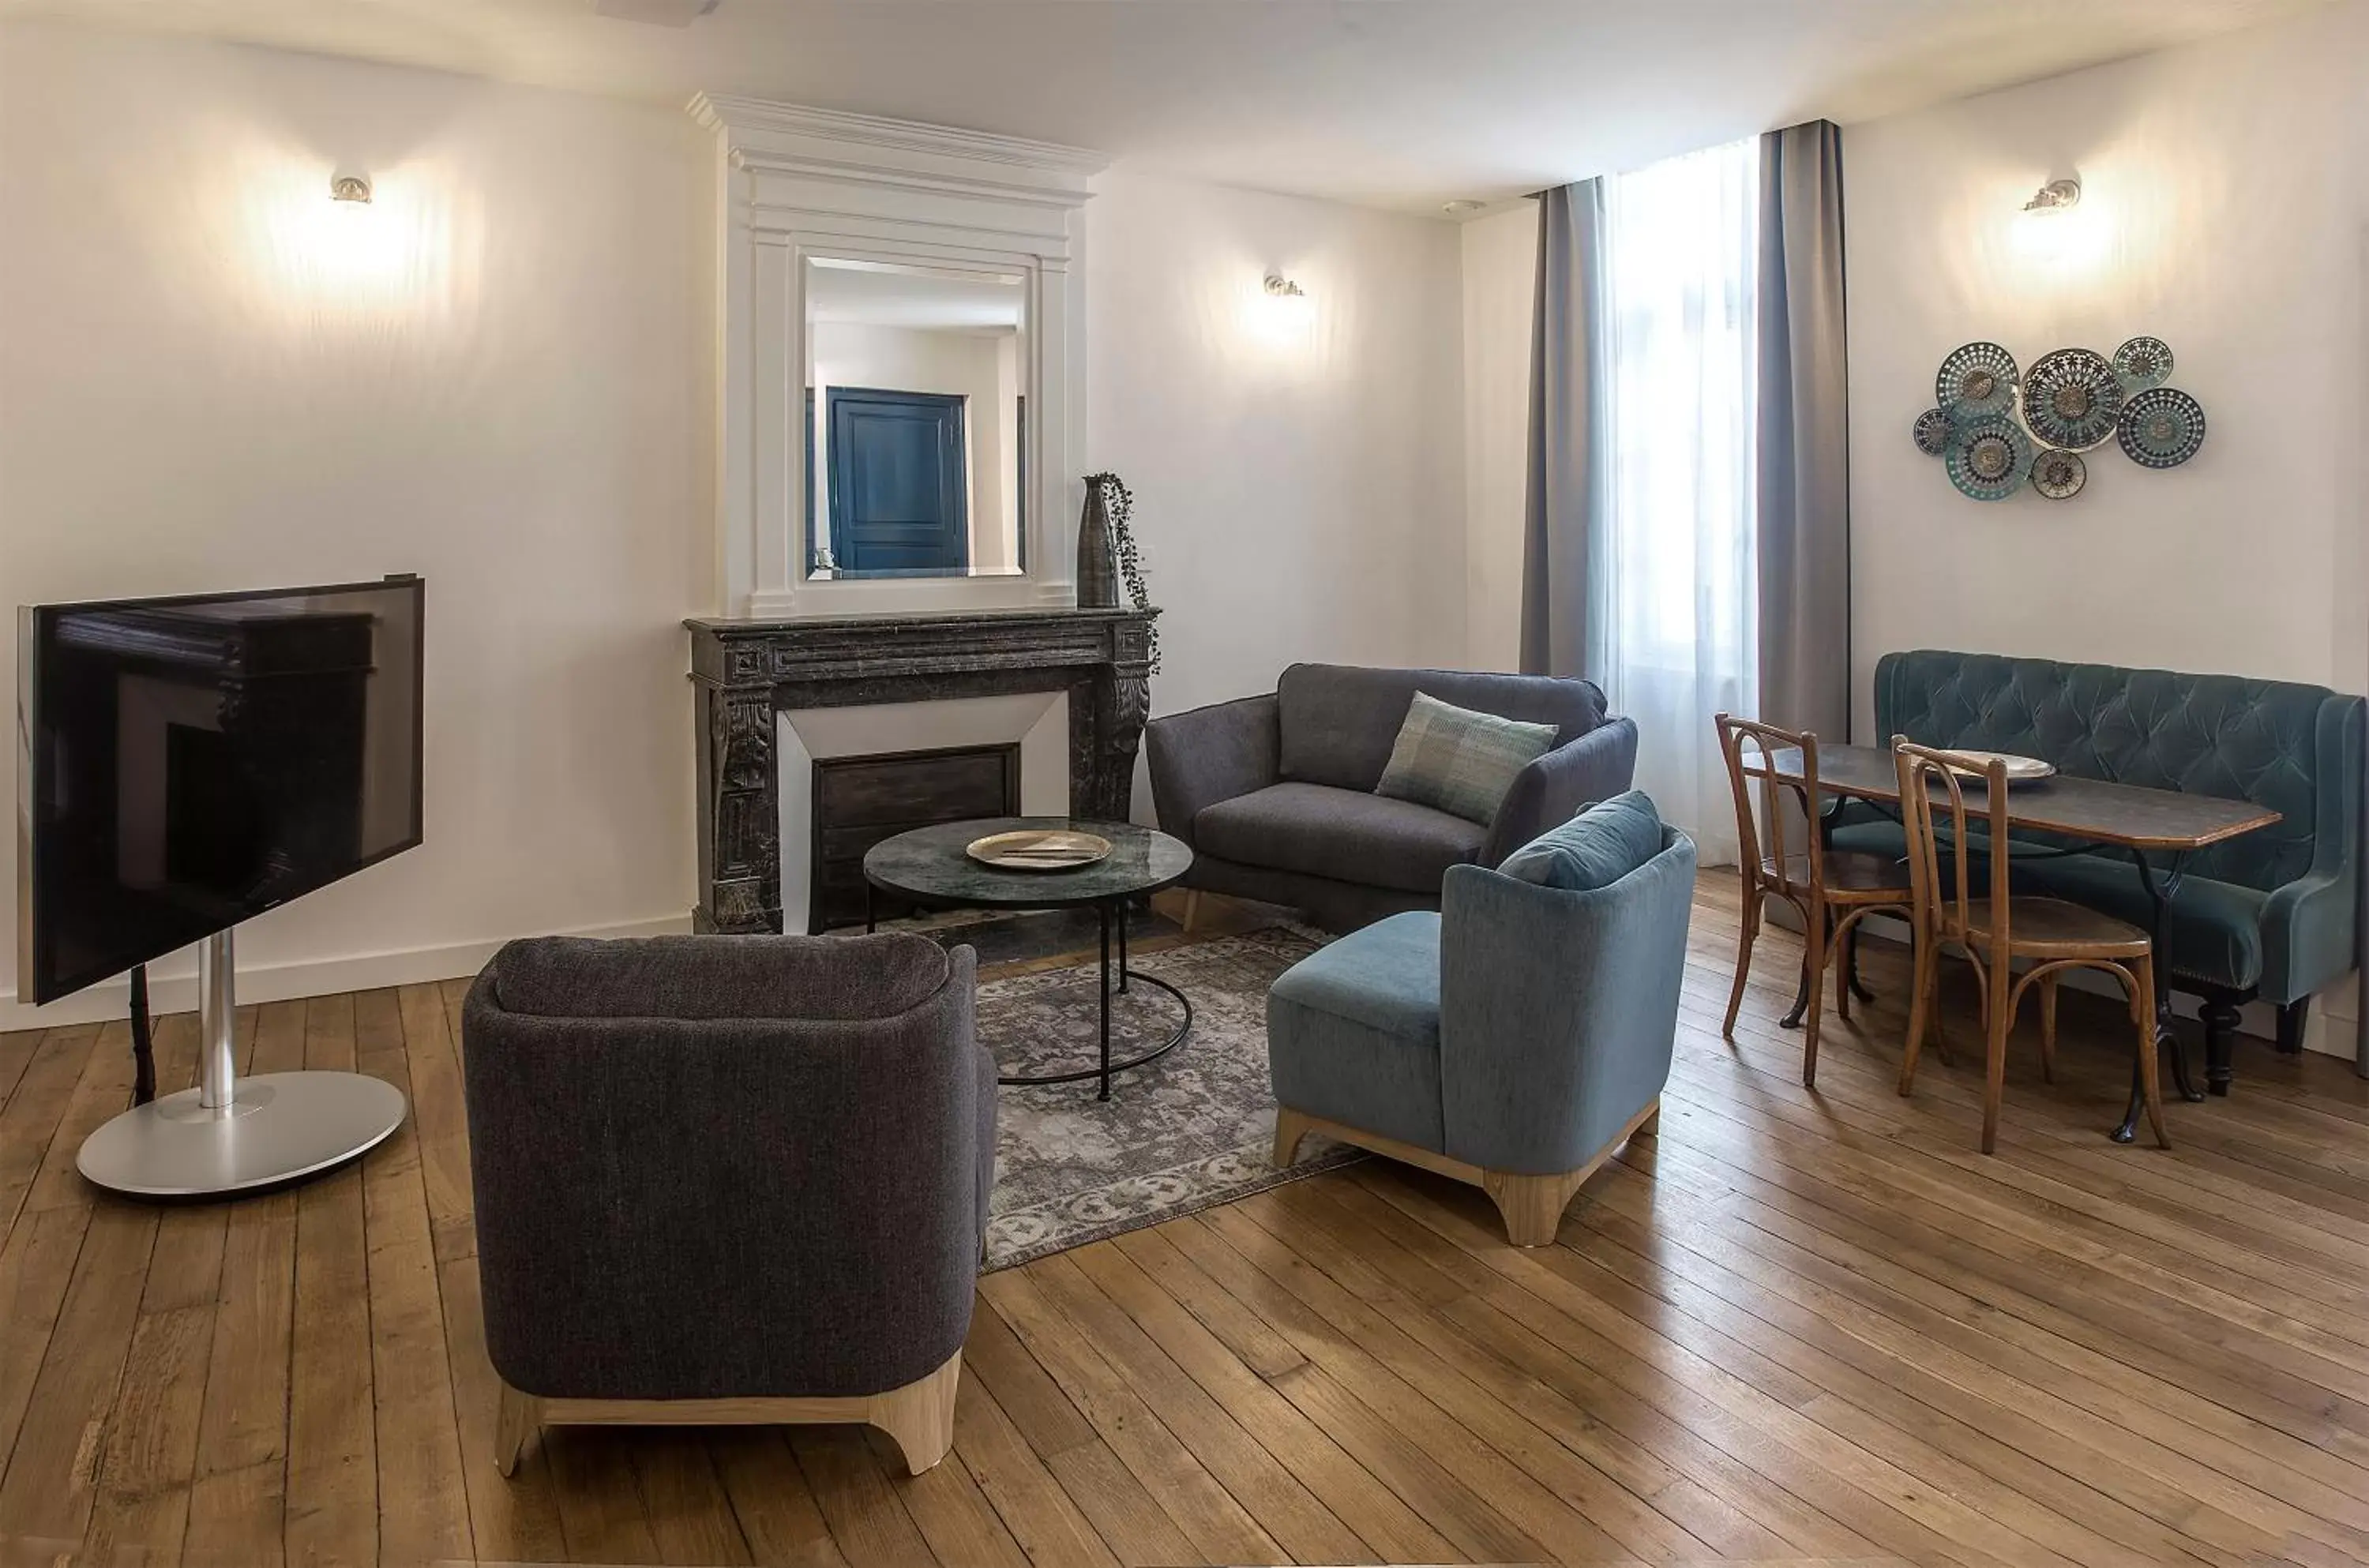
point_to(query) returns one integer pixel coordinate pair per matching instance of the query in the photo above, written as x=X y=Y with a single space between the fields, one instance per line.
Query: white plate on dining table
x=2019 y=770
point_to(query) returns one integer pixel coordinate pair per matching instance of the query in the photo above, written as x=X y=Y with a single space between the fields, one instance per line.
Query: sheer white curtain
x=1674 y=599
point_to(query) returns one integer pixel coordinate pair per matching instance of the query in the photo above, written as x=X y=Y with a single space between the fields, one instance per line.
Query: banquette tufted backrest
x=2290 y=747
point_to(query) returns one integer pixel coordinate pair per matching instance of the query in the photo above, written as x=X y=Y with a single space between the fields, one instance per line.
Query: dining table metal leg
x=2159 y=891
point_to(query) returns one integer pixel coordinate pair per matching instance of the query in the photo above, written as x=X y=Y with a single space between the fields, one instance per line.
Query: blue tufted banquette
x=2268 y=914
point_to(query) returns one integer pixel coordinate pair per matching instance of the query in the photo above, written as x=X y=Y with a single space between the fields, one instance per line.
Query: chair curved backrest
x=1928 y=781
x=1750 y=749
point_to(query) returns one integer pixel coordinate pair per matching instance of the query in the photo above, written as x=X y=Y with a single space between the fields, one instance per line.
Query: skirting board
x=176 y=988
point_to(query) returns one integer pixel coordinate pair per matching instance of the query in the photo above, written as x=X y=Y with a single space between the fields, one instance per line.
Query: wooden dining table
x=2157 y=827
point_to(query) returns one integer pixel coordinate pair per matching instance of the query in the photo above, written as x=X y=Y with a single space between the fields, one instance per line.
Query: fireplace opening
x=858 y=801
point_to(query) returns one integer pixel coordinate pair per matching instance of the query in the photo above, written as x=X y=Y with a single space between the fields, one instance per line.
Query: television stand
x=233 y=1134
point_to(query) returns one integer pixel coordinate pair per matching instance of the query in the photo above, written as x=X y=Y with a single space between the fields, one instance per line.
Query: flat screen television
x=184 y=764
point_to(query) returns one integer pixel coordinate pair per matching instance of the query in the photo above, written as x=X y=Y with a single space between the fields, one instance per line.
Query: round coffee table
x=930 y=866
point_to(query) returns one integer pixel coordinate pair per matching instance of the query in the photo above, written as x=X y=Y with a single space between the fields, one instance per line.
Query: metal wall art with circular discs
x=2059 y=475
x=1933 y=427
x=1978 y=378
x=2071 y=398
x=2142 y=362
x=1989 y=458
x=2161 y=428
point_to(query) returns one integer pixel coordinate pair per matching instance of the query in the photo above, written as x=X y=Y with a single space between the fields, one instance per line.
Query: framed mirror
x=914 y=421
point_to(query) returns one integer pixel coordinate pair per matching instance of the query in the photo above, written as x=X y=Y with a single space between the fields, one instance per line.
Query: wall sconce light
x=1282 y=288
x=2056 y=196
x=350 y=188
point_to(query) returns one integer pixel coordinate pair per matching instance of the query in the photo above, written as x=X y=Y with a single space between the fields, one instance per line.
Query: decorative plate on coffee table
x=2071 y=398
x=1977 y=378
x=2161 y=428
x=1989 y=458
x=1039 y=850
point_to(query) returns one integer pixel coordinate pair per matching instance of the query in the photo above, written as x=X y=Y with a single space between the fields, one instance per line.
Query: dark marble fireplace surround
x=746 y=673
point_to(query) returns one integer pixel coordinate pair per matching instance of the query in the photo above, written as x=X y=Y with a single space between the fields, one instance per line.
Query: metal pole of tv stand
x=230 y=1135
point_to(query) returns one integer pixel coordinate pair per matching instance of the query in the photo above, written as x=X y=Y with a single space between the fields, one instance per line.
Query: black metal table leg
x=869 y=927
x=1103 y=1077
x=2159 y=893
x=1123 y=915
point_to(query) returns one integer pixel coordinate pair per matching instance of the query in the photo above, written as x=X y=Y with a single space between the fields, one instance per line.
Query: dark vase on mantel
x=1097 y=558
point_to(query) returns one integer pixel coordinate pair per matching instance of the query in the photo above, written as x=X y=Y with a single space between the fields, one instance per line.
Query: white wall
x=1298 y=482
x=1500 y=263
x=2222 y=210
x=974 y=366
x=210 y=379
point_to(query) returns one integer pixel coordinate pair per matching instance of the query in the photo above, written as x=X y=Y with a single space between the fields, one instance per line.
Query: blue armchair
x=1512 y=1040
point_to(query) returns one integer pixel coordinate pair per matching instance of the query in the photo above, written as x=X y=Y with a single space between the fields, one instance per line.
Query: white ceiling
x=1403 y=103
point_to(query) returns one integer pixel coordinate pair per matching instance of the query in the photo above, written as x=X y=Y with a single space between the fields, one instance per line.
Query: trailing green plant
x=1119 y=501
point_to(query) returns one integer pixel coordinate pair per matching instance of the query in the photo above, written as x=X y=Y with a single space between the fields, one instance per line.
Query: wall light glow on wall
x=2060 y=228
x=1279 y=313
x=340 y=244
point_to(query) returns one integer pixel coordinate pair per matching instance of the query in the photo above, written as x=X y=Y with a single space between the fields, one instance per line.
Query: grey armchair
x=729 y=1179
x=1275 y=793
x=1513 y=1041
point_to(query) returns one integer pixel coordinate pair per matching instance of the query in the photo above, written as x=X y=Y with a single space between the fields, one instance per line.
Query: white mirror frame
x=795 y=184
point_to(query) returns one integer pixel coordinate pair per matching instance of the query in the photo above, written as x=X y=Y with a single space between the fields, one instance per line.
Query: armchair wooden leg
x=514 y=1422
x=1532 y=1206
x=1291 y=1126
x=920 y=1417
x=1191 y=910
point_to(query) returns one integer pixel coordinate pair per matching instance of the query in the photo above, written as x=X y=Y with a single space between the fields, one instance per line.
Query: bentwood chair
x=2001 y=929
x=1832 y=890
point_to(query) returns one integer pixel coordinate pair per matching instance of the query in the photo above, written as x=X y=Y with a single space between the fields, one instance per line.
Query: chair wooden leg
x=920 y=1417
x=1846 y=961
x=2150 y=1055
x=514 y=1422
x=1926 y=969
x=1745 y=931
x=1651 y=1126
x=1995 y=1028
x=1191 y=910
x=1291 y=1126
x=1813 y=970
x=2048 y=1028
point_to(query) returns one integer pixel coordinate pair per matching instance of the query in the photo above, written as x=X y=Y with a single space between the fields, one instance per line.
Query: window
x=1678 y=593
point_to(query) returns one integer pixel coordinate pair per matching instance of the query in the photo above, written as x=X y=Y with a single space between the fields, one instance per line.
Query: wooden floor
x=1797 y=1326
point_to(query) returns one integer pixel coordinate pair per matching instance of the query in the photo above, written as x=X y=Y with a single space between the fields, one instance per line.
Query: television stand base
x=279 y=1128
x=232 y=1135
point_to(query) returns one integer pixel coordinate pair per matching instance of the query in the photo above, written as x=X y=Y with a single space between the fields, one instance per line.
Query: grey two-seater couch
x=1275 y=793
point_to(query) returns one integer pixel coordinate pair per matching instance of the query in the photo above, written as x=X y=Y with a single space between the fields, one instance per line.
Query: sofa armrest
x=1597 y=766
x=2308 y=935
x=1206 y=755
x=1558 y=1011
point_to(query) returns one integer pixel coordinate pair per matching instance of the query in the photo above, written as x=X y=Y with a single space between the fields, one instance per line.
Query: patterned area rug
x=1192 y=1130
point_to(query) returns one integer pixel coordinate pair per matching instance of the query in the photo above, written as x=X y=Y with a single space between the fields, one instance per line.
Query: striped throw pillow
x=1460 y=762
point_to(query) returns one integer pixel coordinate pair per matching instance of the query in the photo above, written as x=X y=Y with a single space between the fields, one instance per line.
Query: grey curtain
x=1565 y=506
x=1804 y=481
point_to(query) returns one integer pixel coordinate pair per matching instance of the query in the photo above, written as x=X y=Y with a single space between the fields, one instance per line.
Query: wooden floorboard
x=1800 y=1327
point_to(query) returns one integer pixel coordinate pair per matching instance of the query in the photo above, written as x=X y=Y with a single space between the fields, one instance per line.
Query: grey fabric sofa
x=1275 y=793
x=729 y=1178
x=1514 y=1040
